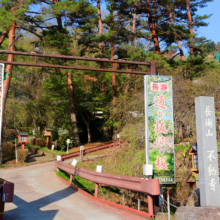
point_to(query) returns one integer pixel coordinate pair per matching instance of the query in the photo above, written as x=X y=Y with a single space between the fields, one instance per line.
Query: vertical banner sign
x=207 y=151
x=1 y=97
x=159 y=131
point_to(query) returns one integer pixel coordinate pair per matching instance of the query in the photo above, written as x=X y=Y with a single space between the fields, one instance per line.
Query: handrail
x=151 y=186
x=90 y=150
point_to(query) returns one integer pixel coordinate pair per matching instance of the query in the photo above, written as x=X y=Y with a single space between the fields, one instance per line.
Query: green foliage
x=58 y=152
x=22 y=154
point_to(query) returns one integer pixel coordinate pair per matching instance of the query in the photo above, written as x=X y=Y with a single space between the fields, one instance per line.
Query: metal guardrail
x=6 y=195
x=90 y=150
x=151 y=187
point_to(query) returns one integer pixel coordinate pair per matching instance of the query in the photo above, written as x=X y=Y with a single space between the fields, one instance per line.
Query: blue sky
x=212 y=31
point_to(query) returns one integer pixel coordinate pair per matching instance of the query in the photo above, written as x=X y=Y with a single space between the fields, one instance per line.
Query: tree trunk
x=89 y=133
x=87 y=126
x=180 y=131
x=100 y=43
x=72 y=108
x=3 y=36
x=100 y=26
x=218 y=129
x=113 y=81
x=133 y=29
x=133 y=45
x=190 y=28
x=71 y=97
x=187 y=175
x=177 y=41
x=8 y=80
x=59 y=20
x=154 y=34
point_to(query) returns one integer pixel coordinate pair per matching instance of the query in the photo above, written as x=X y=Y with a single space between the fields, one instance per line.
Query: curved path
x=40 y=195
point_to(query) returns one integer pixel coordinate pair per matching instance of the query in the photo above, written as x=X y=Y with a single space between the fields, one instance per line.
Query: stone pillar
x=207 y=151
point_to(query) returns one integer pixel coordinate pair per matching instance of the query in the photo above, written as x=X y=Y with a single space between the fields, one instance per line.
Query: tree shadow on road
x=31 y=210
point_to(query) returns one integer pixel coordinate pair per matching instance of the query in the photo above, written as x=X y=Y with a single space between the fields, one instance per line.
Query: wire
x=170 y=203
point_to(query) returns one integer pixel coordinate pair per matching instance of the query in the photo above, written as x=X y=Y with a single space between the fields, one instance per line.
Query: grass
x=3 y=166
x=88 y=186
x=46 y=149
x=218 y=145
x=181 y=148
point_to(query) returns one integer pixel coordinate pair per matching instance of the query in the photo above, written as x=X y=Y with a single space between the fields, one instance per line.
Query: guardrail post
x=150 y=204
x=71 y=179
x=139 y=201
x=82 y=152
x=2 y=207
x=96 y=190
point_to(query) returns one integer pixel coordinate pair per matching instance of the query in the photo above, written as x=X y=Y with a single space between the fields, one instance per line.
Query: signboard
x=159 y=131
x=207 y=151
x=68 y=141
x=1 y=95
x=47 y=133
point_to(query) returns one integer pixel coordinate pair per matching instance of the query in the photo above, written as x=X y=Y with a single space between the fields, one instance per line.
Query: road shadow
x=31 y=210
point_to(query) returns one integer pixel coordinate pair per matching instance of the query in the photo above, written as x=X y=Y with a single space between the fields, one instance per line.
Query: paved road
x=40 y=195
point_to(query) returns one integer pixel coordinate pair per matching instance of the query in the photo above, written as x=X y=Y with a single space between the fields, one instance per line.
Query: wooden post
x=48 y=139
x=82 y=151
x=139 y=201
x=2 y=207
x=96 y=190
x=168 y=204
x=71 y=179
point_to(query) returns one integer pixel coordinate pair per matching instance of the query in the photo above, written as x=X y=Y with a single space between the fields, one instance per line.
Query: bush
x=40 y=142
x=22 y=154
x=31 y=141
x=9 y=151
x=11 y=134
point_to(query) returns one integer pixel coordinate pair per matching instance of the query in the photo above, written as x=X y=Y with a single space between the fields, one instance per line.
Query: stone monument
x=208 y=164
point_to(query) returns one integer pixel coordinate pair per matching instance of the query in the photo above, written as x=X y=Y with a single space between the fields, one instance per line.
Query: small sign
x=68 y=141
x=47 y=133
x=118 y=135
x=81 y=148
x=58 y=158
x=148 y=169
x=52 y=147
x=74 y=162
x=99 y=169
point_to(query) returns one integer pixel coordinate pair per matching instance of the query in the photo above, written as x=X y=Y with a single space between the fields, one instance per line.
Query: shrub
x=31 y=140
x=9 y=151
x=22 y=154
x=40 y=142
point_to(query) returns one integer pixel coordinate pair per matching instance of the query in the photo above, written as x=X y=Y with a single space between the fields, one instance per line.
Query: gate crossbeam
x=151 y=64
